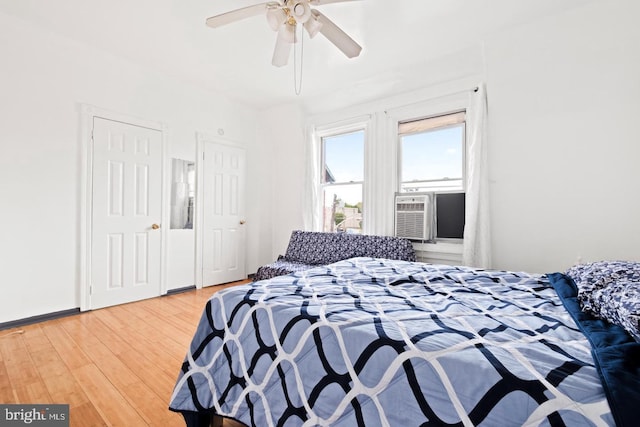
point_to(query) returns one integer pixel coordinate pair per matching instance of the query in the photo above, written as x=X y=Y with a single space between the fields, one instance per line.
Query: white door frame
x=203 y=138
x=87 y=114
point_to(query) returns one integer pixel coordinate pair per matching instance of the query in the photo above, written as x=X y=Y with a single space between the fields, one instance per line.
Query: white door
x=223 y=241
x=126 y=213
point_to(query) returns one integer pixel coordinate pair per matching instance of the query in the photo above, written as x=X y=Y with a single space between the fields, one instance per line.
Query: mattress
x=376 y=342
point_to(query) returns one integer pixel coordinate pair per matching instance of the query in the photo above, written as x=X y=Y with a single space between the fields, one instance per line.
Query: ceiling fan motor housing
x=299 y=10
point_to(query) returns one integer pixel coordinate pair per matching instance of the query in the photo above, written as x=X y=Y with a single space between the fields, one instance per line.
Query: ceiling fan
x=283 y=16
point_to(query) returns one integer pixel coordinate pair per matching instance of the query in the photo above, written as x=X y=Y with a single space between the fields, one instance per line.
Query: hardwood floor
x=114 y=367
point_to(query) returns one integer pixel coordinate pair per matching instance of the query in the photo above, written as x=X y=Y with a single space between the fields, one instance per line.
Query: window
x=432 y=162
x=342 y=181
x=432 y=153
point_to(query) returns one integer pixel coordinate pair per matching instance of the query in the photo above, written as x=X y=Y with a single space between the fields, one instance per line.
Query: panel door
x=223 y=243
x=126 y=213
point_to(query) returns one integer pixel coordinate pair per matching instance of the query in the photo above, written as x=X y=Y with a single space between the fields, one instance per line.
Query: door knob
x=242 y=221
x=155 y=226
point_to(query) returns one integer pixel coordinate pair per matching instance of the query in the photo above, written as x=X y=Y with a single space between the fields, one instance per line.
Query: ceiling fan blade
x=312 y=26
x=336 y=36
x=281 y=52
x=276 y=17
x=237 y=15
x=321 y=2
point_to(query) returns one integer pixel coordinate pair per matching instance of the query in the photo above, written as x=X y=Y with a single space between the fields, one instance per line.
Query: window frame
x=380 y=120
x=332 y=130
x=435 y=191
x=464 y=148
x=453 y=102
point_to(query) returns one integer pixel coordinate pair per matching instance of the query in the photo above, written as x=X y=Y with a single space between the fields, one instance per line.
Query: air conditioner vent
x=412 y=216
x=410 y=207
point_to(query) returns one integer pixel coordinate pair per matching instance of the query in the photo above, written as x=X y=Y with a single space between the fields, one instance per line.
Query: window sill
x=441 y=247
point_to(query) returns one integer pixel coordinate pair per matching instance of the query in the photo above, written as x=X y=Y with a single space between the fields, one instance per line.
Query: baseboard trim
x=180 y=290
x=37 y=319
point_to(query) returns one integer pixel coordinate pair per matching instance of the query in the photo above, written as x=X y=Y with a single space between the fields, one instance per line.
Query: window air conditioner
x=413 y=216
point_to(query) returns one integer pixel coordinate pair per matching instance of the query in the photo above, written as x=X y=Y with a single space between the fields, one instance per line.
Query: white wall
x=564 y=102
x=278 y=191
x=564 y=97
x=43 y=79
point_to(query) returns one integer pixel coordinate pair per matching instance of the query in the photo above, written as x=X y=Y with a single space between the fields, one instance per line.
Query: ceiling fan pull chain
x=298 y=85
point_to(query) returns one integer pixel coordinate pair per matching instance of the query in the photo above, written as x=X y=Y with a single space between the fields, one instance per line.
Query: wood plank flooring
x=114 y=367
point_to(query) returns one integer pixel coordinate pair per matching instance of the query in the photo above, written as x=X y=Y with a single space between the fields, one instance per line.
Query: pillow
x=610 y=290
x=619 y=303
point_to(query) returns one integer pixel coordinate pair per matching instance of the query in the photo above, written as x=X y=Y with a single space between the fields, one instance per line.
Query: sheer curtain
x=311 y=213
x=476 y=250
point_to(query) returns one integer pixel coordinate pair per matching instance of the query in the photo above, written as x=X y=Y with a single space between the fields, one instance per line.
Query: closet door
x=126 y=213
x=223 y=242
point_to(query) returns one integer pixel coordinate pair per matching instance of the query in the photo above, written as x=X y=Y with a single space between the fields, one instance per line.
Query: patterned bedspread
x=373 y=342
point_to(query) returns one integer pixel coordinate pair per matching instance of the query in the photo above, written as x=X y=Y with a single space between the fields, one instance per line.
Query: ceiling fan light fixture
x=312 y=26
x=275 y=18
x=287 y=33
x=281 y=53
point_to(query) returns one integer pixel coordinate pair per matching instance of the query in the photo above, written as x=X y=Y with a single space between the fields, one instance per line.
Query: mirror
x=183 y=191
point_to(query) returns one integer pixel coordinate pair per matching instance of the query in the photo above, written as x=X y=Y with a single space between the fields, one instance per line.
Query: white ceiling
x=398 y=38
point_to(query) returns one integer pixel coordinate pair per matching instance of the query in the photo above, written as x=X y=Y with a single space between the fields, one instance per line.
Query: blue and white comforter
x=372 y=342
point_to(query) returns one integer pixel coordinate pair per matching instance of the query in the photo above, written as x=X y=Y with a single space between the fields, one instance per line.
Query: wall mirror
x=183 y=192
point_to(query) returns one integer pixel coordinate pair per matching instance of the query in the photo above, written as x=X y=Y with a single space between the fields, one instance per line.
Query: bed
x=376 y=342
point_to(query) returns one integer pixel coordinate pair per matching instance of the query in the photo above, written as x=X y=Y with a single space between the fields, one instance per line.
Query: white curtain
x=311 y=213
x=476 y=250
